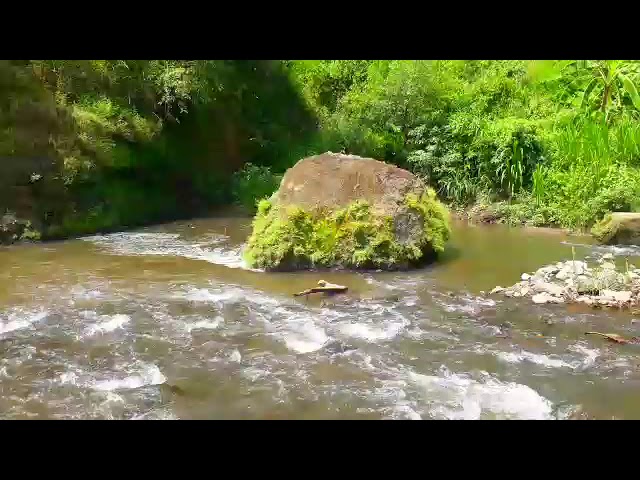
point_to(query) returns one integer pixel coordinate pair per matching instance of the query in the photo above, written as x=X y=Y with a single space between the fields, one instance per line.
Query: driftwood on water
x=613 y=337
x=323 y=287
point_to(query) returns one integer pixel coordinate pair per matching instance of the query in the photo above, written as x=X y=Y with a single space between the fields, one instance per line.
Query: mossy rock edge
x=622 y=228
x=354 y=237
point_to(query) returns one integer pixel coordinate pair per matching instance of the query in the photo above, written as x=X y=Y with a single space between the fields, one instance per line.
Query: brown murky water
x=166 y=323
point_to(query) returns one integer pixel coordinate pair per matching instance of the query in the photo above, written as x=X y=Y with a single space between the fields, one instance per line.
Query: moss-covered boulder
x=618 y=228
x=334 y=210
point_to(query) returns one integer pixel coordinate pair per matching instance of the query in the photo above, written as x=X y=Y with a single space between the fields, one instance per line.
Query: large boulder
x=335 y=210
x=618 y=228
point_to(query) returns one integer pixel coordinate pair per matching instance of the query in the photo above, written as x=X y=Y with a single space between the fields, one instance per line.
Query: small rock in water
x=541 y=298
x=525 y=276
x=498 y=289
x=585 y=299
x=608 y=266
x=607 y=256
x=623 y=296
x=544 y=271
x=550 y=288
x=578 y=267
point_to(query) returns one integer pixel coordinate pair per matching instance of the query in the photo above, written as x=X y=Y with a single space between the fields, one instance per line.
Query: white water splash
x=590 y=355
x=111 y=323
x=170 y=244
x=21 y=319
x=303 y=336
x=150 y=375
x=462 y=398
x=205 y=324
x=538 y=359
x=235 y=356
x=617 y=250
x=372 y=333
x=227 y=295
x=135 y=376
x=162 y=413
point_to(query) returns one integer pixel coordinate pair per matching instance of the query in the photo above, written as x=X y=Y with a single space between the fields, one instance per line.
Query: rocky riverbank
x=598 y=285
x=14 y=230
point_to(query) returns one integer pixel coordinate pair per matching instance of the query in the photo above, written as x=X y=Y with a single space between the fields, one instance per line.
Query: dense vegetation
x=94 y=145
x=548 y=142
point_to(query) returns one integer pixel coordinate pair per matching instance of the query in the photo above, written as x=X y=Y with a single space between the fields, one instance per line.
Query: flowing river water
x=166 y=322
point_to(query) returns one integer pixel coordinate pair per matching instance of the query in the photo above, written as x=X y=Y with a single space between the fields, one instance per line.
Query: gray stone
x=584 y=284
x=497 y=289
x=548 y=270
x=622 y=297
x=563 y=274
x=11 y=229
x=550 y=288
x=618 y=228
x=585 y=299
x=541 y=298
x=577 y=268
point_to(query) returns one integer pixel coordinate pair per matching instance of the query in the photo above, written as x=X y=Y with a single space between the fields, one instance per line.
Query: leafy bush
x=252 y=184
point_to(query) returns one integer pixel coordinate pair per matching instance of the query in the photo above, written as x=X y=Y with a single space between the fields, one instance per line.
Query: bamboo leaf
x=631 y=90
x=587 y=92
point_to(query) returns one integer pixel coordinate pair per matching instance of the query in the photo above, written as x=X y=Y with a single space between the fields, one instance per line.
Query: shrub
x=253 y=183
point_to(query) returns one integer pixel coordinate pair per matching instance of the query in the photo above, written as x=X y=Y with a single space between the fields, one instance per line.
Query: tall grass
x=594 y=171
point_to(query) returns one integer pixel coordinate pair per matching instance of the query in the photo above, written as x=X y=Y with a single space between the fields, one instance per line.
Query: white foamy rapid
x=109 y=323
x=536 y=358
x=460 y=397
x=170 y=244
x=302 y=335
x=128 y=378
x=617 y=250
x=18 y=319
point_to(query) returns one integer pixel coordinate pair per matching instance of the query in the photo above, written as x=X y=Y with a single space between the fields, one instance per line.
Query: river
x=166 y=322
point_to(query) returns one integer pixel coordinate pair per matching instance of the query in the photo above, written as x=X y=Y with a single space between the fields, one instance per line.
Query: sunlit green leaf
x=631 y=90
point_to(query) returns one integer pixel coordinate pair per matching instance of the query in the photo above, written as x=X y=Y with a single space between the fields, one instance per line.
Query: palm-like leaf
x=631 y=90
x=587 y=91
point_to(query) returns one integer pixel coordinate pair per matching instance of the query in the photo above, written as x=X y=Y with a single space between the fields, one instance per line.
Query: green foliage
x=122 y=142
x=292 y=238
x=609 y=86
x=512 y=130
x=594 y=172
x=126 y=142
x=605 y=229
x=253 y=183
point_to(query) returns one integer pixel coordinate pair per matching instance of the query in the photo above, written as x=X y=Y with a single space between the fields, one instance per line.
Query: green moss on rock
x=618 y=228
x=356 y=236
